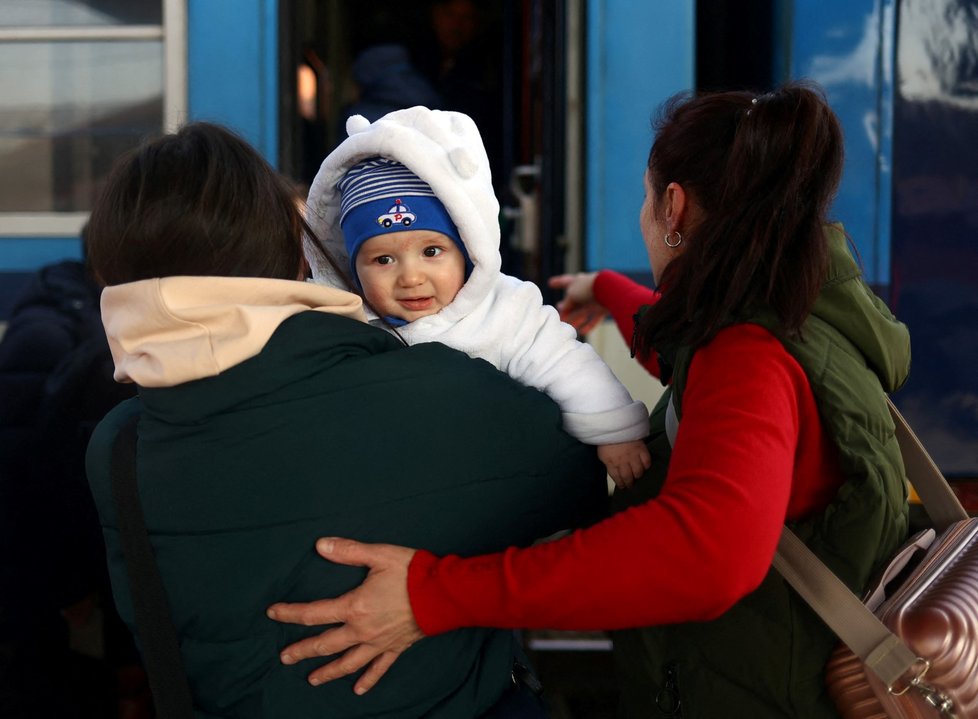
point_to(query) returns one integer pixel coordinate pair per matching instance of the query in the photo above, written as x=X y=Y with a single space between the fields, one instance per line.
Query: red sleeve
x=689 y=554
x=622 y=298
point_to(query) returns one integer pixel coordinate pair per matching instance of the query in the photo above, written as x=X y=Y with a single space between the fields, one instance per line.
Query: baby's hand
x=625 y=461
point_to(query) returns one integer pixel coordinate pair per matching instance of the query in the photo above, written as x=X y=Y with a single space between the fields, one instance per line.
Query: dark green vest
x=765 y=657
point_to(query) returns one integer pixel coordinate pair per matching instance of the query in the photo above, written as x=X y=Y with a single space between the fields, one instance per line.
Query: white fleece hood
x=445 y=150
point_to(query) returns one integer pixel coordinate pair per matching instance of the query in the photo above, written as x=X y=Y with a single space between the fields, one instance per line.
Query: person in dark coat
x=387 y=80
x=55 y=385
x=270 y=412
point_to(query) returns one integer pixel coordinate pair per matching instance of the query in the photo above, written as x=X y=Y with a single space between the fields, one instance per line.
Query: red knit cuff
x=422 y=592
x=603 y=287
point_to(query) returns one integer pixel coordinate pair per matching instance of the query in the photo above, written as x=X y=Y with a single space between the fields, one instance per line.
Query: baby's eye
x=384 y=260
x=432 y=251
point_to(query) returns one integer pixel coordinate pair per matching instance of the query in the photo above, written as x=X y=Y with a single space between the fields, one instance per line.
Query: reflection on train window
x=46 y=13
x=84 y=80
x=86 y=103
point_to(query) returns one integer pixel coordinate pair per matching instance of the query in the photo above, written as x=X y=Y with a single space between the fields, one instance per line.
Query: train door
x=503 y=62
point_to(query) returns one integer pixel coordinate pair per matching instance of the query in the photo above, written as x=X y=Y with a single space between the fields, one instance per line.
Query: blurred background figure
x=455 y=52
x=387 y=80
x=63 y=651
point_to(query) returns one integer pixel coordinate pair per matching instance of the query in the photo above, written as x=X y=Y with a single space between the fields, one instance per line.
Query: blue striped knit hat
x=380 y=196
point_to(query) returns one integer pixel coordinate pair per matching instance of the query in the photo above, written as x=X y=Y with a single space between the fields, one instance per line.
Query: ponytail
x=763 y=171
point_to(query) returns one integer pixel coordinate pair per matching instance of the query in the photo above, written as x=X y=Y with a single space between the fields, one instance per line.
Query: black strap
x=158 y=639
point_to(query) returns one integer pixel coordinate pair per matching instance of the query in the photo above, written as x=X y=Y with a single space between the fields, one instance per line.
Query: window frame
x=173 y=34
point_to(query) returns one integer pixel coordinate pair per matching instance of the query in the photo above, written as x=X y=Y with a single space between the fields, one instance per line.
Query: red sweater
x=749 y=453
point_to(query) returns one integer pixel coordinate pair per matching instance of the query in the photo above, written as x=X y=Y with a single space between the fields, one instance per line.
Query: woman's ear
x=676 y=203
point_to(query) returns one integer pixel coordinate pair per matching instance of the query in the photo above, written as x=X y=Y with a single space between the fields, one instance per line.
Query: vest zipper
x=668 y=700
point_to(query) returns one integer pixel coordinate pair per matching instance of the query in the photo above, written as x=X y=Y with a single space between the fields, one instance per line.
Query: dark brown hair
x=198 y=202
x=763 y=170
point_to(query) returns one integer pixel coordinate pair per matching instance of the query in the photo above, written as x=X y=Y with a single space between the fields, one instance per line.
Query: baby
x=408 y=202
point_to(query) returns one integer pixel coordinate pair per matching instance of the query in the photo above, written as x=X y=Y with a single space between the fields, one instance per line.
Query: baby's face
x=410 y=274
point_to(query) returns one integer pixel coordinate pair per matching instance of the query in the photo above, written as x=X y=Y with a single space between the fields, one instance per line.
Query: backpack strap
x=157 y=636
x=882 y=651
x=939 y=500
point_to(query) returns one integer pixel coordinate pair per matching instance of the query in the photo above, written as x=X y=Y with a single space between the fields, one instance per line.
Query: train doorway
x=503 y=62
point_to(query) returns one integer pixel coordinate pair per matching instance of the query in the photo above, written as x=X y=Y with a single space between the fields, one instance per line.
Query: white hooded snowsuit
x=495 y=317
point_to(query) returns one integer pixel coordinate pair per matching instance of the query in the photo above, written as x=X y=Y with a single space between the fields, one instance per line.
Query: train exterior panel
x=84 y=80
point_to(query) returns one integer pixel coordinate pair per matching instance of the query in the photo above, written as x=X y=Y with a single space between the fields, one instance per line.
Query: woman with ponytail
x=777 y=358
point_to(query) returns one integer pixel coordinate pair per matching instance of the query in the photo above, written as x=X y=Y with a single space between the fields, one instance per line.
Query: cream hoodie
x=166 y=331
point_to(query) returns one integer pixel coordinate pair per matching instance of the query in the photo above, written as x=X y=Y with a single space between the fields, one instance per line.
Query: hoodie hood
x=442 y=148
x=166 y=331
x=848 y=304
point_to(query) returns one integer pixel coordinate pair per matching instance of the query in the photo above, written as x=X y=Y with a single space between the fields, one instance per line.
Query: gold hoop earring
x=679 y=239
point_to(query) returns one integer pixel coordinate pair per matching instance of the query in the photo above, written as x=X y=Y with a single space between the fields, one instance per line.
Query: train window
x=44 y=13
x=103 y=74
x=60 y=133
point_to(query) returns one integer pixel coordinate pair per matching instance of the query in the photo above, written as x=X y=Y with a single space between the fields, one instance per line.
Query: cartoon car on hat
x=399 y=214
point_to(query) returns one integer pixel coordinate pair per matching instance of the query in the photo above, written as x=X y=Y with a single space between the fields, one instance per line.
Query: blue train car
x=564 y=91
x=902 y=76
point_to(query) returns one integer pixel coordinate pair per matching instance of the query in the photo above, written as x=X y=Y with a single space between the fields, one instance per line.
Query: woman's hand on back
x=578 y=308
x=376 y=621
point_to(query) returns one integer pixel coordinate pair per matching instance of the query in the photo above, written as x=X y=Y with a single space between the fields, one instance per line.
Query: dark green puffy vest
x=765 y=657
